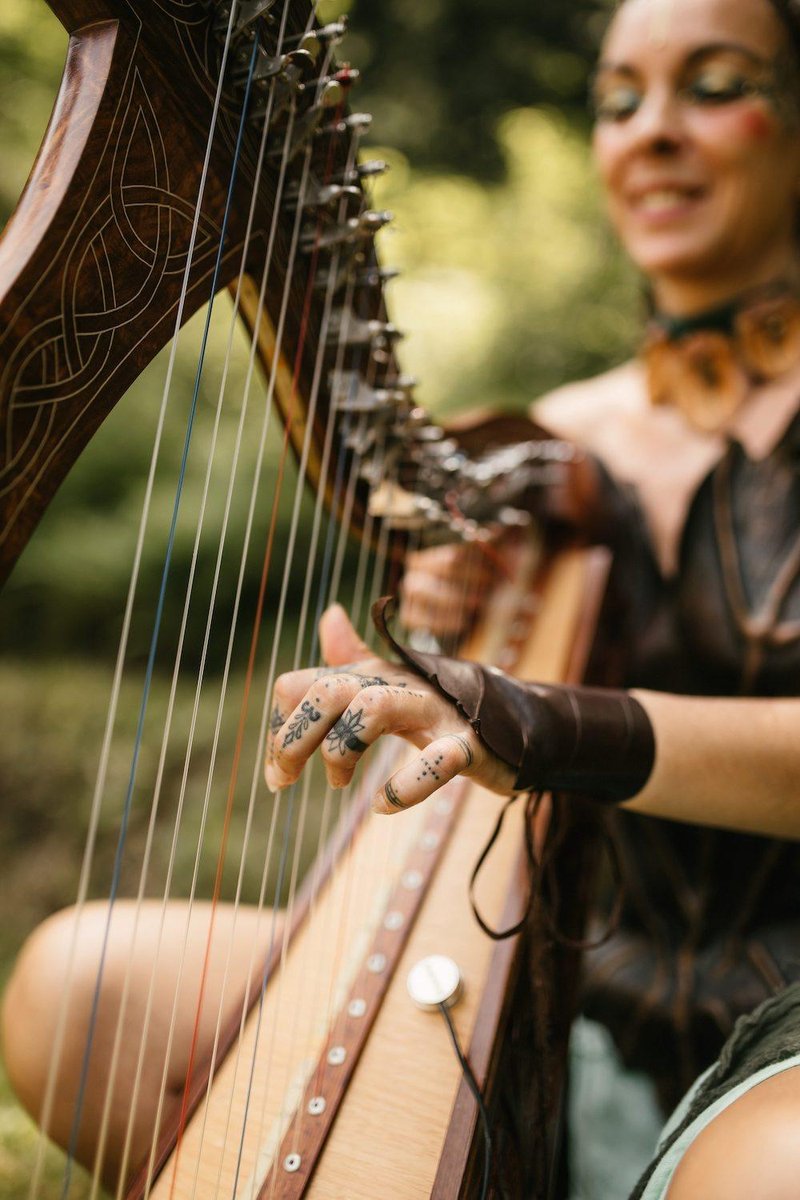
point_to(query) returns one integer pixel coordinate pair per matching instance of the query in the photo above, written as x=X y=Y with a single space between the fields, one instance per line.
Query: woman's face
x=698 y=141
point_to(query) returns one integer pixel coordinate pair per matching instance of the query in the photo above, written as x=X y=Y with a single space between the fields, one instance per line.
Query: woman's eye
x=615 y=104
x=720 y=87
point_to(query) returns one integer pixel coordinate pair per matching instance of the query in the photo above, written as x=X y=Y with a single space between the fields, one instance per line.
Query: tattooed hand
x=343 y=709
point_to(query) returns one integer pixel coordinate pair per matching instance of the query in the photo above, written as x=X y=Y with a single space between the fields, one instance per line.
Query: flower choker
x=705 y=366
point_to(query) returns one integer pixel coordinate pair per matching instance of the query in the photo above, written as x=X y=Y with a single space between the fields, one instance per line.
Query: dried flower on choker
x=705 y=366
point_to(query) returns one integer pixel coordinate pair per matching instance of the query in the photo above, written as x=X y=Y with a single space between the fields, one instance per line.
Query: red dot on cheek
x=756 y=124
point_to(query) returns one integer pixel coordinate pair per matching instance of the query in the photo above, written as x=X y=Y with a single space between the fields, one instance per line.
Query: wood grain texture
x=392 y=1129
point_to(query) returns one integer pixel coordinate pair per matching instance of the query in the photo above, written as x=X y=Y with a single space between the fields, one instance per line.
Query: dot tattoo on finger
x=429 y=769
x=343 y=736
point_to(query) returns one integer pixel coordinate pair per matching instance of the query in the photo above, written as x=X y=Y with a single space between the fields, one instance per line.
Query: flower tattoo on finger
x=343 y=736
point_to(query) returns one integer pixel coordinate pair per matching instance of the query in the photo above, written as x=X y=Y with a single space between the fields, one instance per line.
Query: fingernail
x=276 y=779
x=380 y=806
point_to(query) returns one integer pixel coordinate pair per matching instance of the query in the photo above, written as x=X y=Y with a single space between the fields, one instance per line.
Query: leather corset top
x=729 y=624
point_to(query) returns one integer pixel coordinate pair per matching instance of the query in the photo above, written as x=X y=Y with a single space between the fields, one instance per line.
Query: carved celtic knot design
x=129 y=240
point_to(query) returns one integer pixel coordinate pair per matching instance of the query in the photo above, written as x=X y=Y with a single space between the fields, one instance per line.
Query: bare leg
x=751 y=1151
x=38 y=989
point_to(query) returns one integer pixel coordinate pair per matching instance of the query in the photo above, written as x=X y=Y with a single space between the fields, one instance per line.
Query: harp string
x=298 y=839
x=330 y=571
x=248 y=683
x=290 y=815
x=99 y=789
x=327 y=583
x=201 y=671
x=268 y=556
x=126 y=811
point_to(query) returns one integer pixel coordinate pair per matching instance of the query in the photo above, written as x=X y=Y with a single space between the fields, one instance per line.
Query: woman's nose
x=657 y=126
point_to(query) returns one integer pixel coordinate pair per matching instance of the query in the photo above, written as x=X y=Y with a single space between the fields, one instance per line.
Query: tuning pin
x=317 y=195
x=332 y=93
x=374 y=220
x=351 y=232
x=349 y=330
x=403 y=385
x=332 y=33
x=266 y=67
x=362 y=438
x=371 y=168
x=365 y=170
x=248 y=12
x=374 y=276
x=350 y=392
x=355 y=123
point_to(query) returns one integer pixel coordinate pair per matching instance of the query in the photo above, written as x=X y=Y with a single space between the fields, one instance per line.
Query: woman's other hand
x=445 y=588
x=344 y=708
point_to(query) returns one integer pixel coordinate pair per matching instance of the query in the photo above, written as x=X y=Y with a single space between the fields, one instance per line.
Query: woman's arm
x=732 y=763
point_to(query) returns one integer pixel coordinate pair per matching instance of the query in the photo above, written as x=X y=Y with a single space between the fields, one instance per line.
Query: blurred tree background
x=510 y=285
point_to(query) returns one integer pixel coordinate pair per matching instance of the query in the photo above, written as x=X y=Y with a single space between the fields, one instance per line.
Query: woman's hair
x=788 y=12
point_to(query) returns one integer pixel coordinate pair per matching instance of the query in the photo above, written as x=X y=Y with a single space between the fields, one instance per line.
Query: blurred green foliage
x=440 y=74
x=510 y=286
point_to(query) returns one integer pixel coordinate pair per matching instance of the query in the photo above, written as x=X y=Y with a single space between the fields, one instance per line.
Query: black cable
x=472 y=1084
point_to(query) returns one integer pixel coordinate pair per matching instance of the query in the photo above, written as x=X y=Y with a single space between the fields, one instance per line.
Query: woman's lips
x=664 y=203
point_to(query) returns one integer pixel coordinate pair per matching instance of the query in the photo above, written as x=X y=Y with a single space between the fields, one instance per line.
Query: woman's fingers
x=300 y=733
x=450 y=755
x=444 y=586
x=344 y=717
x=466 y=562
x=338 y=640
x=435 y=606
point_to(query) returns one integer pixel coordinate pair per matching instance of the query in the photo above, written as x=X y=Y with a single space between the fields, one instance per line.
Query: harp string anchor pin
x=433 y=981
x=292 y=1163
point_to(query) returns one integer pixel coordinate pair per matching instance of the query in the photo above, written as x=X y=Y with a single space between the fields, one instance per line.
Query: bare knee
x=750 y=1150
x=35 y=993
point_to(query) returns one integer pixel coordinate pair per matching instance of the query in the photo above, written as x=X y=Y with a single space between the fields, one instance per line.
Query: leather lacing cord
x=541 y=870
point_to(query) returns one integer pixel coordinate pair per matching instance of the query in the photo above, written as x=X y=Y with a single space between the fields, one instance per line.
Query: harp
x=196 y=146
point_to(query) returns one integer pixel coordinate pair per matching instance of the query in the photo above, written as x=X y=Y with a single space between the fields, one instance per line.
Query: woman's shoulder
x=585 y=410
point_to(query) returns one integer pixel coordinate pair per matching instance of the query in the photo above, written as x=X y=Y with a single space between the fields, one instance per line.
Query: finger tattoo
x=465 y=746
x=391 y=795
x=276 y=720
x=343 y=736
x=301 y=722
x=429 y=768
x=365 y=680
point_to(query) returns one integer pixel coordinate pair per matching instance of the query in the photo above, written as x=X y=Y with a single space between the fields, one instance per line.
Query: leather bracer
x=590 y=740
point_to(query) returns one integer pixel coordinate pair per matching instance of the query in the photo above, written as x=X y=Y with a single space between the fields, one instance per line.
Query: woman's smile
x=664 y=202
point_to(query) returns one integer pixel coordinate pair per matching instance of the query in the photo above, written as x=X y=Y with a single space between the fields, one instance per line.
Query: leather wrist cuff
x=591 y=740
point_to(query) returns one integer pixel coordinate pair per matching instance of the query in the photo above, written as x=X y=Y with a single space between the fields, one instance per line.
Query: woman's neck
x=686 y=298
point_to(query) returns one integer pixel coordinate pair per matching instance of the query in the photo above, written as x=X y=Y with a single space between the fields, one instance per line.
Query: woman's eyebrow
x=712 y=48
x=606 y=66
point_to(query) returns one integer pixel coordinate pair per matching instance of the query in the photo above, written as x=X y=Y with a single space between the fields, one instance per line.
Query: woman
x=698 y=143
